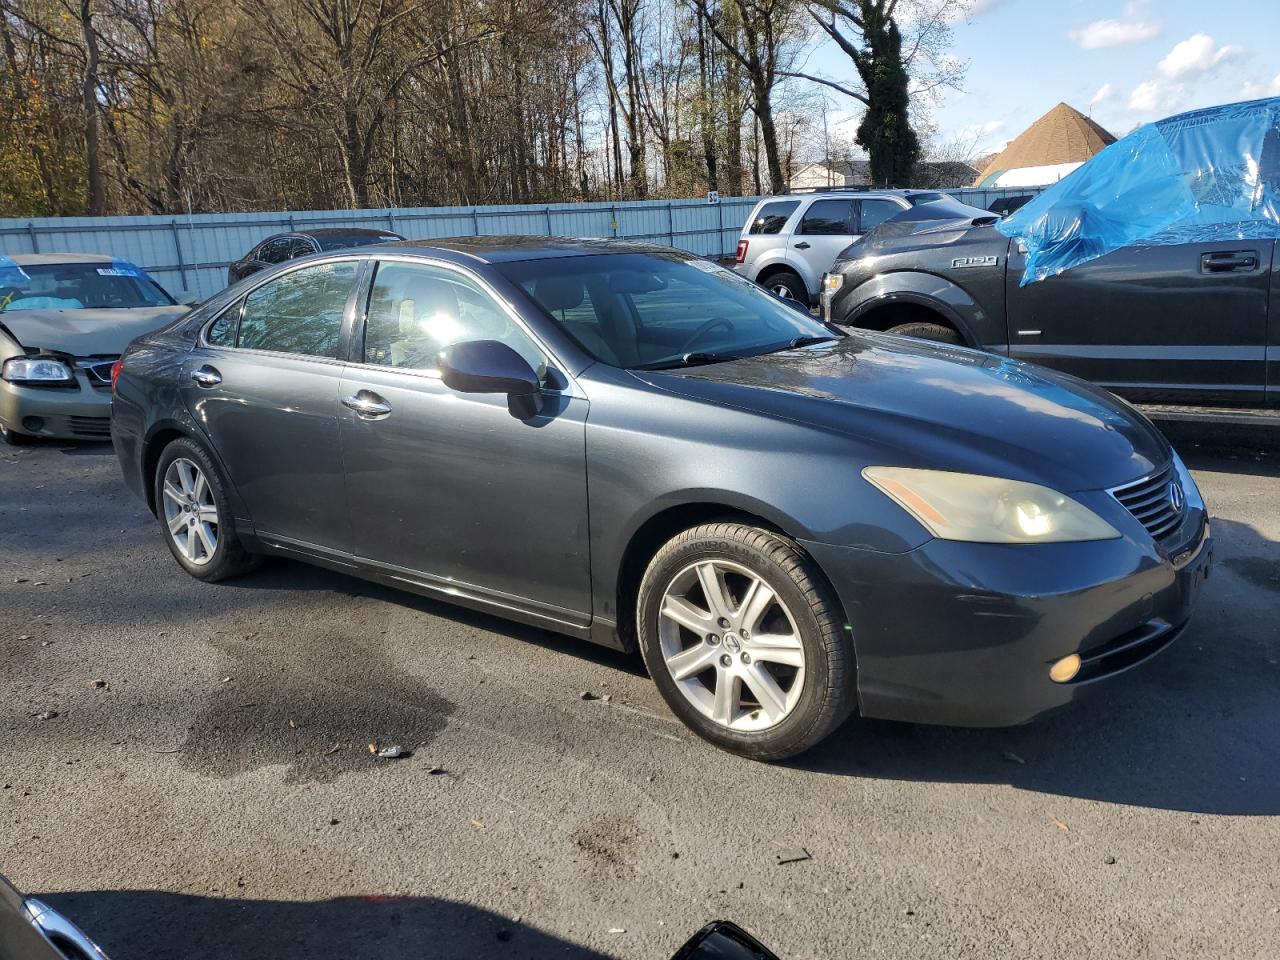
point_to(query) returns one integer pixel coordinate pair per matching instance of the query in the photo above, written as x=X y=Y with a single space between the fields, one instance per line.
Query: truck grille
x=1156 y=502
x=96 y=428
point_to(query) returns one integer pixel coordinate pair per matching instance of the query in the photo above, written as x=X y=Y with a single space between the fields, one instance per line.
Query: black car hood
x=948 y=408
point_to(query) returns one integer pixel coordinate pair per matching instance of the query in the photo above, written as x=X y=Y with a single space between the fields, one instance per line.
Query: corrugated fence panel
x=192 y=252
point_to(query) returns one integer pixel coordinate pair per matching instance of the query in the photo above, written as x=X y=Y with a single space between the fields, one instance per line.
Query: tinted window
x=299 y=247
x=641 y=309
x=876 y=212
x=222 y=332
x=416 y=310
x=331 y=241
x=274 y=251
x=773 y=216
x=828 y=218
x=300 y=312
x=98 y=285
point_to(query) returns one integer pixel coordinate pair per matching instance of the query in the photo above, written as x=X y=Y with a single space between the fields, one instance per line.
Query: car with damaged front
x=638 y=447
x=65 y=318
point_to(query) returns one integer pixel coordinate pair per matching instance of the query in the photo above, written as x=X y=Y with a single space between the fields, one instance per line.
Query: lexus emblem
x=1176 y=498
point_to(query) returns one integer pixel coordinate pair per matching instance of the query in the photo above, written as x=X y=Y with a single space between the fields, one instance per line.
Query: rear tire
x=195 y=515
x=787 y=285
x=13 y=438
x=937 y=332
x=746 y=640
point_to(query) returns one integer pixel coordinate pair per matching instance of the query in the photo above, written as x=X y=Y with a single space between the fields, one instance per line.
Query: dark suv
x=289 y=246
x=1185 y=323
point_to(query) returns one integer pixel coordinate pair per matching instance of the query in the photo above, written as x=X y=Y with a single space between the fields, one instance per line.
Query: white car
x=790 y=241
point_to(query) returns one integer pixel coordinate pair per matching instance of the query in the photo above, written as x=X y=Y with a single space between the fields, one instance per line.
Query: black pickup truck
x=1182 y=325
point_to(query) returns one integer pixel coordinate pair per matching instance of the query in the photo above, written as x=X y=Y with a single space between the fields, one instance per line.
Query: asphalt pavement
x=185 y=769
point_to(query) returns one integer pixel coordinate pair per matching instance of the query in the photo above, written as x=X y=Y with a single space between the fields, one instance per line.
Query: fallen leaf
x=478 y=824
x=332 y=750
x=1060 y=825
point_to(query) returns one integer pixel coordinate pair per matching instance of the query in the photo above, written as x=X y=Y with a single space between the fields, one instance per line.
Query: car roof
x=336 y=232
x=503 y=249
x=842 y=192
x=43 y=259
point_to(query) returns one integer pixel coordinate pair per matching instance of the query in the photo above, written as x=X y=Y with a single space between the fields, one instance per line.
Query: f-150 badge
x=975 y=261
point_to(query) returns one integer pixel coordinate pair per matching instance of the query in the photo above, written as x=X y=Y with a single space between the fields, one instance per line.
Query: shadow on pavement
x=1193 y=729
x=154 y=925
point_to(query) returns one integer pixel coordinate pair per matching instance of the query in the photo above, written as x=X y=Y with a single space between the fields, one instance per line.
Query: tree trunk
x=89 y=102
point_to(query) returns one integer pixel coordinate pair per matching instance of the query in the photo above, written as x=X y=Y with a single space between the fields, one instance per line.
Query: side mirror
x=490 y=366
x=722 y=940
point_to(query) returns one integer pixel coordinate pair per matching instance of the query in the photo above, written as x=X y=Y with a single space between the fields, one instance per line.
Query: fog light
x=1065 y=669
x=33 y=424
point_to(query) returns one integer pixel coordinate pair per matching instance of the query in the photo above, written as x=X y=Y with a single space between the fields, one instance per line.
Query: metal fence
x=191 y=253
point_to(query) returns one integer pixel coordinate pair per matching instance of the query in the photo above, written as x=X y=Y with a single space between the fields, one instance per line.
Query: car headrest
x=422 y=300
x=559 y=293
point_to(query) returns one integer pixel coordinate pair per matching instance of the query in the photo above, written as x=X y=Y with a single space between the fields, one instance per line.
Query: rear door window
x=828 y=218
x=300 y=312
x=275 y=251
x=876 y=212
x=773 y=217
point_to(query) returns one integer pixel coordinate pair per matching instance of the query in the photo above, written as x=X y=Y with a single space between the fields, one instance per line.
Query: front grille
x=97 y=370
x=1153 y=501
x=99 y=428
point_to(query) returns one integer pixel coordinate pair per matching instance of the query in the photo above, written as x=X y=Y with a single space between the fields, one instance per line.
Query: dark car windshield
x=79 y=286
x=344 y=240
x=648 y=310
x=915 y=199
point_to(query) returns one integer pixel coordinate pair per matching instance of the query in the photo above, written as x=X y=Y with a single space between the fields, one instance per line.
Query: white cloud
x=1197 y=55
x=1115 y=33
x=1157 y=96
x=1105 y=92
x=1255 y=89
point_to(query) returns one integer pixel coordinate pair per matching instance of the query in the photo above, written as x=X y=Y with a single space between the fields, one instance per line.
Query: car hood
x=84 y=333
x=950 y=408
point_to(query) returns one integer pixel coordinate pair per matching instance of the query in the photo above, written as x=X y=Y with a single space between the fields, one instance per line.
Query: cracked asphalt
x=215 y=795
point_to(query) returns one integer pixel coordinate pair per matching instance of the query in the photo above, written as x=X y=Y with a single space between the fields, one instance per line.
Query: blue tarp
x=1211 y=174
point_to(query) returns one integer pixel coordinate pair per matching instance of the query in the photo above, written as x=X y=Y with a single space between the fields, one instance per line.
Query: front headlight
x=978 y=509
x=36 y=370
x=831 y=282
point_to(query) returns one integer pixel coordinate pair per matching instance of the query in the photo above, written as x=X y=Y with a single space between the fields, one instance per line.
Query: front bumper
x=82 y=412
x=965 y=633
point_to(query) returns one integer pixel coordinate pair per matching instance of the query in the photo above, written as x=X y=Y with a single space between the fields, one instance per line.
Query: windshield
x=342 y=241
x=915 y=199
x=651 y=310
x=79 y=286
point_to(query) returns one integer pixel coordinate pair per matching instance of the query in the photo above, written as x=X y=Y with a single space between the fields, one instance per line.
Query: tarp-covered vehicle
x=1151 y=270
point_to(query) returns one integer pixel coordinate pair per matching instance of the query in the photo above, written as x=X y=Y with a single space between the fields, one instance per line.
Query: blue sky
x=1124 y=63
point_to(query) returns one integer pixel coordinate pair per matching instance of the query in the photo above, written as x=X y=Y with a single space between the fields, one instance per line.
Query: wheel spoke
x=201 y=486
x=208 y=514
x=207 y=537
x=177 y=522
x=727 y=697
x=713 y=587
x=777 y=648
x=687 y=615
x=767 y=692
x=758 y=600
x=185 y=477
x=691 y=662
x=173 y=493
x=192 y=540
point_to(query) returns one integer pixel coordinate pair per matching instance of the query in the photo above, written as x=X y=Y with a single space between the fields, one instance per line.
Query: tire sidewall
x=776 y=741
x=793 y=282
x=219 y=565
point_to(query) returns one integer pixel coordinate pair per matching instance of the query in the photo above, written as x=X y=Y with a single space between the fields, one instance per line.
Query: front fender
x=978 y=327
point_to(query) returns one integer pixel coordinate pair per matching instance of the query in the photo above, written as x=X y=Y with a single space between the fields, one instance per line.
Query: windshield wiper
x=810 y=341
x=687 y=360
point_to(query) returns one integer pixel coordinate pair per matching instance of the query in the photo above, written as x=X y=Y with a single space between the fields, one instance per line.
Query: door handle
x=1228 y=261
x=802 y=245
x=368 y=405
x=206 y=376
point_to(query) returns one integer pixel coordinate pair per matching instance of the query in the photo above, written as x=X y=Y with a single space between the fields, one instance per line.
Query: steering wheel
x=703 y=330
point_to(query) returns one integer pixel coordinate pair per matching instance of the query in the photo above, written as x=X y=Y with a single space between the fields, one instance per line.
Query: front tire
x=937 y=332
x=787 y=285
x=191 y=502
x=745 y=640
x=13 y=438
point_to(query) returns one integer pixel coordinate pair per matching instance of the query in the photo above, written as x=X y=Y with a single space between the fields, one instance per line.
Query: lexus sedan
x=638 y=447
x=64 y=320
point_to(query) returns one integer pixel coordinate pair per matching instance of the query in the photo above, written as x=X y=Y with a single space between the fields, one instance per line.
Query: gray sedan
x=638 y=447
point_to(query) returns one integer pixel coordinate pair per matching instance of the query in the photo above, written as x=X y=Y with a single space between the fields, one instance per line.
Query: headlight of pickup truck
x=831 y=282
x=978 y=509
x=37 y=370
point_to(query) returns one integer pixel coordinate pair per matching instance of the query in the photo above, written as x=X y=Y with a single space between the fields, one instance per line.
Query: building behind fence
x=191 y=253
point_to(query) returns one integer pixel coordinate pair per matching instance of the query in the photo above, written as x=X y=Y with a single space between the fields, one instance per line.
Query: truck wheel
x=787 y=285
x=745 y=640
x=937 y=332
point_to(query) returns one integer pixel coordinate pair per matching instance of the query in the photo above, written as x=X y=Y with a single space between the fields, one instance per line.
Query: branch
x=861 y=97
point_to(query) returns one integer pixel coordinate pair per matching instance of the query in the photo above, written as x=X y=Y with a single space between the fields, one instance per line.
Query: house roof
x=1063 y=135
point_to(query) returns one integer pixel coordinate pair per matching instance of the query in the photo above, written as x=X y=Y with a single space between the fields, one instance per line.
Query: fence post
x=547 y=211
x=391 y=220
x=475 y=222
x=31 y=231
x=720 y=230
x=177 y=248
x=613 y=219
x=671 y=226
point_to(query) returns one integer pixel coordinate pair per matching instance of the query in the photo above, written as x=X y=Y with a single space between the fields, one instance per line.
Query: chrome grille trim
x=1149 y=502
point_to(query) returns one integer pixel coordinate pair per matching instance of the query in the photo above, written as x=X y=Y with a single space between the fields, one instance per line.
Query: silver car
x=789 y=242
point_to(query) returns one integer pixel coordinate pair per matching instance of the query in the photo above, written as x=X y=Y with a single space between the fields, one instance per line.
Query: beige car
x=65 y=318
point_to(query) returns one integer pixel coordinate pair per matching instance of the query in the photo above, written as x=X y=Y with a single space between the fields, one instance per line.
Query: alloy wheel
x=189 y=511
x=731 y=645
x=782 y=290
